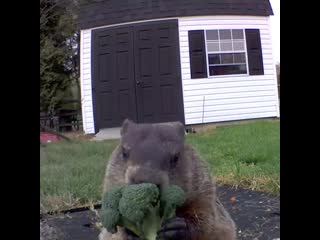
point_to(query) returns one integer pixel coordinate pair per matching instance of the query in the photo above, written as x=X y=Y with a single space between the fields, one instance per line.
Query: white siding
x=228 y=98
x=85 y=78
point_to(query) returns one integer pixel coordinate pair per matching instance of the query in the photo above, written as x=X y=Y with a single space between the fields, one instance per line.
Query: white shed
x=194 y=61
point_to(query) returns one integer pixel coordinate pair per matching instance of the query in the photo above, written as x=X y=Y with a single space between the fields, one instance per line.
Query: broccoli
x=110 y=219
x=171 y=198
x=112 y=198
x=143 y=197
x=110 y=213
x=138 y=205
x=140 y=208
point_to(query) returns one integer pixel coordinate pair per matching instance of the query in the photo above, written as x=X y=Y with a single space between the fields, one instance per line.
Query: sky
x=275 y=29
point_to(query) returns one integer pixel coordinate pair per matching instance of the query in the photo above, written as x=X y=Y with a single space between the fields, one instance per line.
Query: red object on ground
x=48 y=137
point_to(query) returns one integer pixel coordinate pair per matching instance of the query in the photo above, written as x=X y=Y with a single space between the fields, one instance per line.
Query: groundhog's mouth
x=158 y=185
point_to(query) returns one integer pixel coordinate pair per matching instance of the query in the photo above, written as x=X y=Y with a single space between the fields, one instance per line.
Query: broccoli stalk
x=151 y=223
x=139 y=205
x=171 y=198
x=136 y=228
x=140 y=208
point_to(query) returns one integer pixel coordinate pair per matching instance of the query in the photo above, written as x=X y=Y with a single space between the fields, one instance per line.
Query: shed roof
x=106 y=12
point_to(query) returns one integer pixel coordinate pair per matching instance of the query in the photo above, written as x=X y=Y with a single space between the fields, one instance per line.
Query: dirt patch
x=47 y=232
x=257 y=216
x=78 y=225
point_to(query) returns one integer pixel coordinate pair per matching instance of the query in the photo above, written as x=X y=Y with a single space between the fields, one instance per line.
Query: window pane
x=213 y=47
x=238 y=45
x=226 y=58
x=214 y=58
x=237 y=34
x=227 y=70
x=226 y=46
x=212 y=34
x=225 y=34
x=239 y=57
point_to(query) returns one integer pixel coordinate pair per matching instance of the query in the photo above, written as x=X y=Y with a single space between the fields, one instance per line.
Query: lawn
x=245 y=155
x=71 y=173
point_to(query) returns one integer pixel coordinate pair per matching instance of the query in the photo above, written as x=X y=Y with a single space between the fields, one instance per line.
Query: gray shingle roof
x=107 y=12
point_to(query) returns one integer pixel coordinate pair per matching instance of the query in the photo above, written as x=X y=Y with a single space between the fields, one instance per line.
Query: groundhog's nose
x=134 y=180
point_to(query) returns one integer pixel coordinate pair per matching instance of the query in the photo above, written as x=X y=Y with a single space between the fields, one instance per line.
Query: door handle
x=138 y=82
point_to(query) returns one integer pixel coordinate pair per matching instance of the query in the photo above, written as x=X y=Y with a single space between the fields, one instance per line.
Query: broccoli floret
x=110 y=218
x=138 y=205
x=110 y=215
x=112 y=198
x=172 y=197
x=137 y=208
x=137 y=200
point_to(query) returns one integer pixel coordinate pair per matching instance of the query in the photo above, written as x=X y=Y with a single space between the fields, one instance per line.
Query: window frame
x=221 y=52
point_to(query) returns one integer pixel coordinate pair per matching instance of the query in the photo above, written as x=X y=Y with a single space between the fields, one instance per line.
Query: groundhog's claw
x=174 y=229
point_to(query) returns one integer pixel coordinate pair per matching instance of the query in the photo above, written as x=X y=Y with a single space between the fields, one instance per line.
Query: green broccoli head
x=112 y=198
x=110 y=218
x=171 y=197
x=110 y=215
x=137 y=200
x=140 y=208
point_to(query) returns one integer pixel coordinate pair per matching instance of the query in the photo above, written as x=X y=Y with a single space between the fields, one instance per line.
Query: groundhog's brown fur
x=206 y=217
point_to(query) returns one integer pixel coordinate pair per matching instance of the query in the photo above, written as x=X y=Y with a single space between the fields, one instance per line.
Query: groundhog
x=157 y=153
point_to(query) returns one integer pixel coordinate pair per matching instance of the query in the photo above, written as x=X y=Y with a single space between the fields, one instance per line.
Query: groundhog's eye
x=125 y=153
x=174 y=159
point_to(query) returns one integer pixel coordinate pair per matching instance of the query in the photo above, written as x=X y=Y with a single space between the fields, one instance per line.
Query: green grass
x=246 y=155
x=71 y=173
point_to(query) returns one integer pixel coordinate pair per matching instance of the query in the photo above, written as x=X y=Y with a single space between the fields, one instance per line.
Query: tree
x=58 y=51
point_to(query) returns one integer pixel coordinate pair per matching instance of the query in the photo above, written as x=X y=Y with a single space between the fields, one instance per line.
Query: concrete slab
x=107 y=133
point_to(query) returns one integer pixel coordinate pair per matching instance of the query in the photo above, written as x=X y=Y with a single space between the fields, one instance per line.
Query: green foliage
x=58 y=52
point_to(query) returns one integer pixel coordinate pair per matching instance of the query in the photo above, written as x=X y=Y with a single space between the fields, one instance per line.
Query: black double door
x=136 y=74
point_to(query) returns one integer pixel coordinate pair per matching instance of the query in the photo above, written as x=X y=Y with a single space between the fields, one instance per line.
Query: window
x=226 y=52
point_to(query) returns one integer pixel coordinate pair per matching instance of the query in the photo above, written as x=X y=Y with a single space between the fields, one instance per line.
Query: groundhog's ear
x=125 y=126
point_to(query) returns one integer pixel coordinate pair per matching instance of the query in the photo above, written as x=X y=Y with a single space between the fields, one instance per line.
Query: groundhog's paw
x=174 y=229
x=131 y=235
